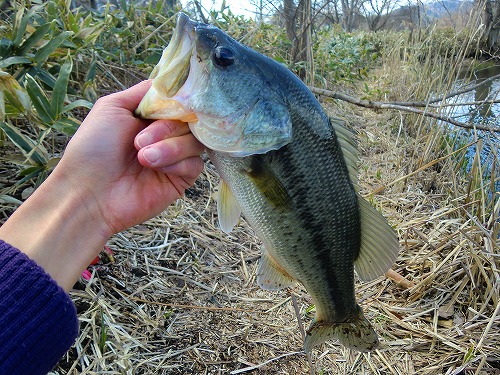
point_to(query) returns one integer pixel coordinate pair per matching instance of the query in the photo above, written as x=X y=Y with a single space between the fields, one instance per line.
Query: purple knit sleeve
x=38 y=321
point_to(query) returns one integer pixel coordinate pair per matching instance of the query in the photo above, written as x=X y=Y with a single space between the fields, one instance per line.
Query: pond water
x=481 y=106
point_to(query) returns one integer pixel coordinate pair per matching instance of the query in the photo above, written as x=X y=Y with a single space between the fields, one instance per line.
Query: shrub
x=343 y=56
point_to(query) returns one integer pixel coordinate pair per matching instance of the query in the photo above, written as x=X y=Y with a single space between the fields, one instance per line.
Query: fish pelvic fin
x=228 y=209
x=270 y=275
x=357 y=333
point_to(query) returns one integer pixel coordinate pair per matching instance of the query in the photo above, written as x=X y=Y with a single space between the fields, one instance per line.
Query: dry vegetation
x=180 y=296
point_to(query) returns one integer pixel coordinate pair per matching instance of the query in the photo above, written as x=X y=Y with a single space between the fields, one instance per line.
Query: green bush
x=36 y=99
x=343 y=56
x=53 y=59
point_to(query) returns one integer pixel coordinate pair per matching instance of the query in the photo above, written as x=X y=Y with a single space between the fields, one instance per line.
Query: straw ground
x=180 y=296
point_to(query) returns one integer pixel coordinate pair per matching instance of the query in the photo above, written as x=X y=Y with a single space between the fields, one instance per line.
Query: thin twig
x=154 y=32
x=399 y=107
x=399 y=279
x=430 y=164
x=302 y=331
x=447 y=96
x=255 y=367
x=181 y=306
x=297 y=314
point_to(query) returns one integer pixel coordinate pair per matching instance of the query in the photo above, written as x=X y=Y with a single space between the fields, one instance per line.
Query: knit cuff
x=38 y=321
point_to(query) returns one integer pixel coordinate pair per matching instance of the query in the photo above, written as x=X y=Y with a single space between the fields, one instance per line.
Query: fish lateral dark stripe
x=334 y=242
x=340 y=284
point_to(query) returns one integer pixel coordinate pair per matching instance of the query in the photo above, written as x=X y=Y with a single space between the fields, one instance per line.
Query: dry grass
x=181 y=298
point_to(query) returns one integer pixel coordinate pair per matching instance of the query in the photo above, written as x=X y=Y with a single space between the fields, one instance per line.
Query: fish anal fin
x=357 y=333
x=270 y=275
x=228 y=209
x=379 y=243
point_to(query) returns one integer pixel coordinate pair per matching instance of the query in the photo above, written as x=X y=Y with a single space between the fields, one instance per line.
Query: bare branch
x=448 y=96
x=400 y=107
x=460 y=104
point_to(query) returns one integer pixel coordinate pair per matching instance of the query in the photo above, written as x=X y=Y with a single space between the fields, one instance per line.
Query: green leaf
x=104 y=333
x=61 y=87
x=36 y=154
x=2 y=106
x=13 y=60
x=6 y=47
x=21 y=22
x=52 y=10
x=51 y=46
x=16 y=100
x=73 y=25
x=39 y=100
x=87 y=34
x=8 y=199
x=52 y=163
x=44 y=76
x=28 y=171
x=34 y=38
x=34 y=172
x=68 y=126
x=89 y=92
x=77 y=103
x=41 y=177
x=90 y=76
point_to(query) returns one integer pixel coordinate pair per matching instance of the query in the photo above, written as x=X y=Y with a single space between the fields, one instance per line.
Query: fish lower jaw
x=155 y=107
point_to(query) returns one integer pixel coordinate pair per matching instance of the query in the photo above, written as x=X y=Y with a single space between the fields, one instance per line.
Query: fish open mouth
x=170 y=75
x=174 y=64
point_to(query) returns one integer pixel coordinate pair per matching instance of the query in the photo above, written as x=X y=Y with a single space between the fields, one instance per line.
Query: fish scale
x=284 y=165
x=332 y=238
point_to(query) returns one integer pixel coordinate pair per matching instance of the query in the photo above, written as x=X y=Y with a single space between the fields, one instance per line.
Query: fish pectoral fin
x=357 y=333
x=379 y=243
x=270 y=275
x=228 y=209
x=268 y=184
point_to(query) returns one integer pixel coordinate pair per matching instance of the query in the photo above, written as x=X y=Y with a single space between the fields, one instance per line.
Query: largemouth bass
x=285 y=165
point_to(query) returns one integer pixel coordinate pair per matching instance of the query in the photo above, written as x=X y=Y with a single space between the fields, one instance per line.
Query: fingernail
x=86 y=275
x=143 y=139
x=151 y=155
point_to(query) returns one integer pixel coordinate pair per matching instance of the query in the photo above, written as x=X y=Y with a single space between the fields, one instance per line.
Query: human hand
x=104 y=184
x=129 y=186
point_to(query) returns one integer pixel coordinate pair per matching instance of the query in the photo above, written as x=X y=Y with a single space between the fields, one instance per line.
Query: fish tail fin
x=357 y=333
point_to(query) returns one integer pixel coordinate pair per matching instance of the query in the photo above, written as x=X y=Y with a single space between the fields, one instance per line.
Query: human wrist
x=60 y=228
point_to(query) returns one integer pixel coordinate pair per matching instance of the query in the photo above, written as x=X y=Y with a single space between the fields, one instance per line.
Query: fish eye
x=223 y=56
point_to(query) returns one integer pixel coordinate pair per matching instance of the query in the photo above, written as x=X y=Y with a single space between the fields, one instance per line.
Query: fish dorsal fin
x=270 y=275
x=379 y=243
x=349 y=148
x=227 y=208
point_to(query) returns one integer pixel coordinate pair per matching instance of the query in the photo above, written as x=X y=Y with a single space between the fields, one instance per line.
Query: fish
x=286 y=166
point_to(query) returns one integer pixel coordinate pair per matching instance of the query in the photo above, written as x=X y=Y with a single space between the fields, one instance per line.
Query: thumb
x=130 y=98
